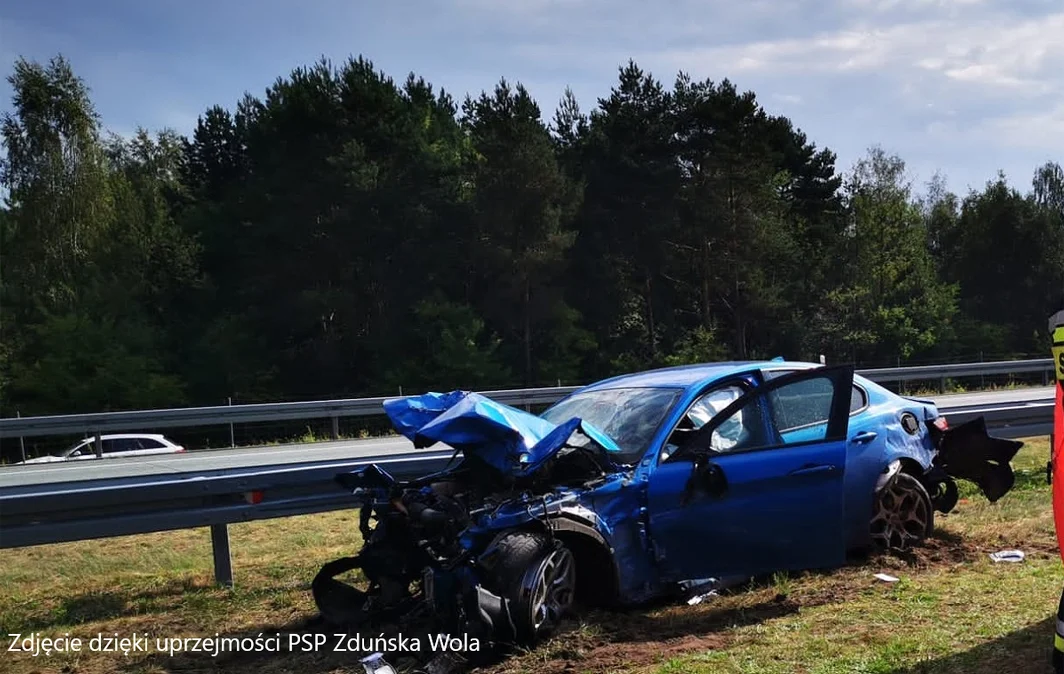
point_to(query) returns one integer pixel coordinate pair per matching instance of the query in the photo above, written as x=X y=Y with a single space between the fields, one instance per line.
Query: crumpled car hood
x=511 y=440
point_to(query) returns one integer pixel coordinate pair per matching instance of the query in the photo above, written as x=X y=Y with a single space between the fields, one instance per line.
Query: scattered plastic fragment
x=887 y=578
x=375 y=664
x=1007 y=556
x=698 y=599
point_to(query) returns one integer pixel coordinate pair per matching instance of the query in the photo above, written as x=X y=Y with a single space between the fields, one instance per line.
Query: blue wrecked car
x=643 y=486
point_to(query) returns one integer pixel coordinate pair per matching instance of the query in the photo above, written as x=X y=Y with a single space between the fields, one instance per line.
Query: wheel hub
x=900 y=518
x=554 y=589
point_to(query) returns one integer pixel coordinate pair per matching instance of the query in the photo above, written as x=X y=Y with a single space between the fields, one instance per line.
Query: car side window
x=707 y=407
x=700 y=412
x=858 y=396
x=858 y=399
x=117 y=445
x=148 y=443
x=800 y=406
x=791 y=414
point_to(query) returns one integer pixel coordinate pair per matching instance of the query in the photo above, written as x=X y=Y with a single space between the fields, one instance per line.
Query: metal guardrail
x=66 y=511
x=105 y=422
x=36 y=514
x=52 y=513
x=957 y=370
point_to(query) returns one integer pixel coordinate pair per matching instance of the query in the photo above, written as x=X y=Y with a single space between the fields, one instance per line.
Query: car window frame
x=742 y=380
x=865 y=398
x=77 y=449
x=759 y=395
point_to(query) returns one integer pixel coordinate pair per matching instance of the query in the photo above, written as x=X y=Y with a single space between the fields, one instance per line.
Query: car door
x=116 y=448
x=741 y=498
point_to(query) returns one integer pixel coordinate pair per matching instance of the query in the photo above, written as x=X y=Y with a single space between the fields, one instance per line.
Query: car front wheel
x=903 y=515
x=539 y=579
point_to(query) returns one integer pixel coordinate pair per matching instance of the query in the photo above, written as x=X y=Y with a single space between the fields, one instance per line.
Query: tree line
x=349 y=234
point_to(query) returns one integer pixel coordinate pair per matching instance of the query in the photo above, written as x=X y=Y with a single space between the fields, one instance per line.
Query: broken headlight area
x=467 y=551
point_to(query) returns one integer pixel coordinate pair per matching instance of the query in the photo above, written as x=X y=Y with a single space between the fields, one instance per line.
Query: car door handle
x=865 y=437
x=814 y=469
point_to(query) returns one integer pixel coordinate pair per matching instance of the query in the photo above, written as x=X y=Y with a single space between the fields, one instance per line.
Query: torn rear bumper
x=968 y=452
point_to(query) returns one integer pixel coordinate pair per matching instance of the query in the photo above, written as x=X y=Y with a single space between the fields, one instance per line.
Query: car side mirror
x=706 y=477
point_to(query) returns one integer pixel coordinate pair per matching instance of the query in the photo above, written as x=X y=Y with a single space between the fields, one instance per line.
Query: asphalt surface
x=248 y=457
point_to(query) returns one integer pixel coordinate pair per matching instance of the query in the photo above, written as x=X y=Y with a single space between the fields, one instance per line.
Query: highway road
x=221 y=460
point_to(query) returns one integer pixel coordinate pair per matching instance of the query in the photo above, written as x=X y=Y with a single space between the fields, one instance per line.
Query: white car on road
x=115 y=446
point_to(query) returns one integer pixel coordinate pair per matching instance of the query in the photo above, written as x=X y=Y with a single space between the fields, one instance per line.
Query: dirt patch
x=612 y=641
x=942 y=550
x=611 y=656
x=1040 y=546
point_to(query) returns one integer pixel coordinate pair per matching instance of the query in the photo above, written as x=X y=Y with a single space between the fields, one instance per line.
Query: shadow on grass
x=1026 y=651
x=942 y=548
x=107 y=604
x=604 y=641
x=104 y=605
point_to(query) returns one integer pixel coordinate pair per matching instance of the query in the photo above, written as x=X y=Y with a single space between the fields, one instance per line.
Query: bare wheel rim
x=901 y=516
x=554 y=589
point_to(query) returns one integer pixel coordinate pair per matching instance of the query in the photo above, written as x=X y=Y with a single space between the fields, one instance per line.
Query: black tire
x=945 y=495
x=902 y=515
x=538 y=579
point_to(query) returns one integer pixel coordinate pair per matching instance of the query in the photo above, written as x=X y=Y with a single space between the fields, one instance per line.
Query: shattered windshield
x=630 y=416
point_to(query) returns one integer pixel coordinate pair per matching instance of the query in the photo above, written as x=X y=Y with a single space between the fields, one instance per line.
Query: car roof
x=122 y=436
x=685 y=376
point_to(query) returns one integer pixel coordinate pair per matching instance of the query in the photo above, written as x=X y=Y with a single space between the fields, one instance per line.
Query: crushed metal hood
x=511 y=440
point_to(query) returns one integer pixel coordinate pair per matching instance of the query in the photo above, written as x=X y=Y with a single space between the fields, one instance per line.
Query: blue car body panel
x=772 y=514
x=801 y=506
x=510 y=440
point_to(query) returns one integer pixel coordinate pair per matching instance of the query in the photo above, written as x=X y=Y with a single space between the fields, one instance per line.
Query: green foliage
x=451 y=348
x=891 y=303
x=522 y=206
x=1006 y=252
x=56 y=176
x=346 y=234
x=697 y=346
x=82 y=363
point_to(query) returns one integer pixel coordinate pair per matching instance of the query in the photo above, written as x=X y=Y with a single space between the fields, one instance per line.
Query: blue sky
x=965 y=87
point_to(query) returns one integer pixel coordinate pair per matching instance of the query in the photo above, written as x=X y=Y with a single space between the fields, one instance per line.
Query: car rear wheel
x=539 y=580
x=903 y=515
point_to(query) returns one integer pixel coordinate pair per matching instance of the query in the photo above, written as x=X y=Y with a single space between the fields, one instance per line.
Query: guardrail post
x=99 y=446
x=942 y=385
x=223 y=561
x=232 y=438
x=21 y=439
x=336 y=428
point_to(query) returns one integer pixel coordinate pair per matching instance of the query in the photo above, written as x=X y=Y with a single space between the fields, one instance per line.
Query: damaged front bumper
x=447 y=599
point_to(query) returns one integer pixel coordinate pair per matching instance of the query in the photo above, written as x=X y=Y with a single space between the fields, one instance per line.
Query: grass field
x=954 y=611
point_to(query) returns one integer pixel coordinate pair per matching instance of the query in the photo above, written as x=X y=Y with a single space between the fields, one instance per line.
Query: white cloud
x=965 y=86
x=1040 y=130
x=1025 y=55
x=895 y=5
